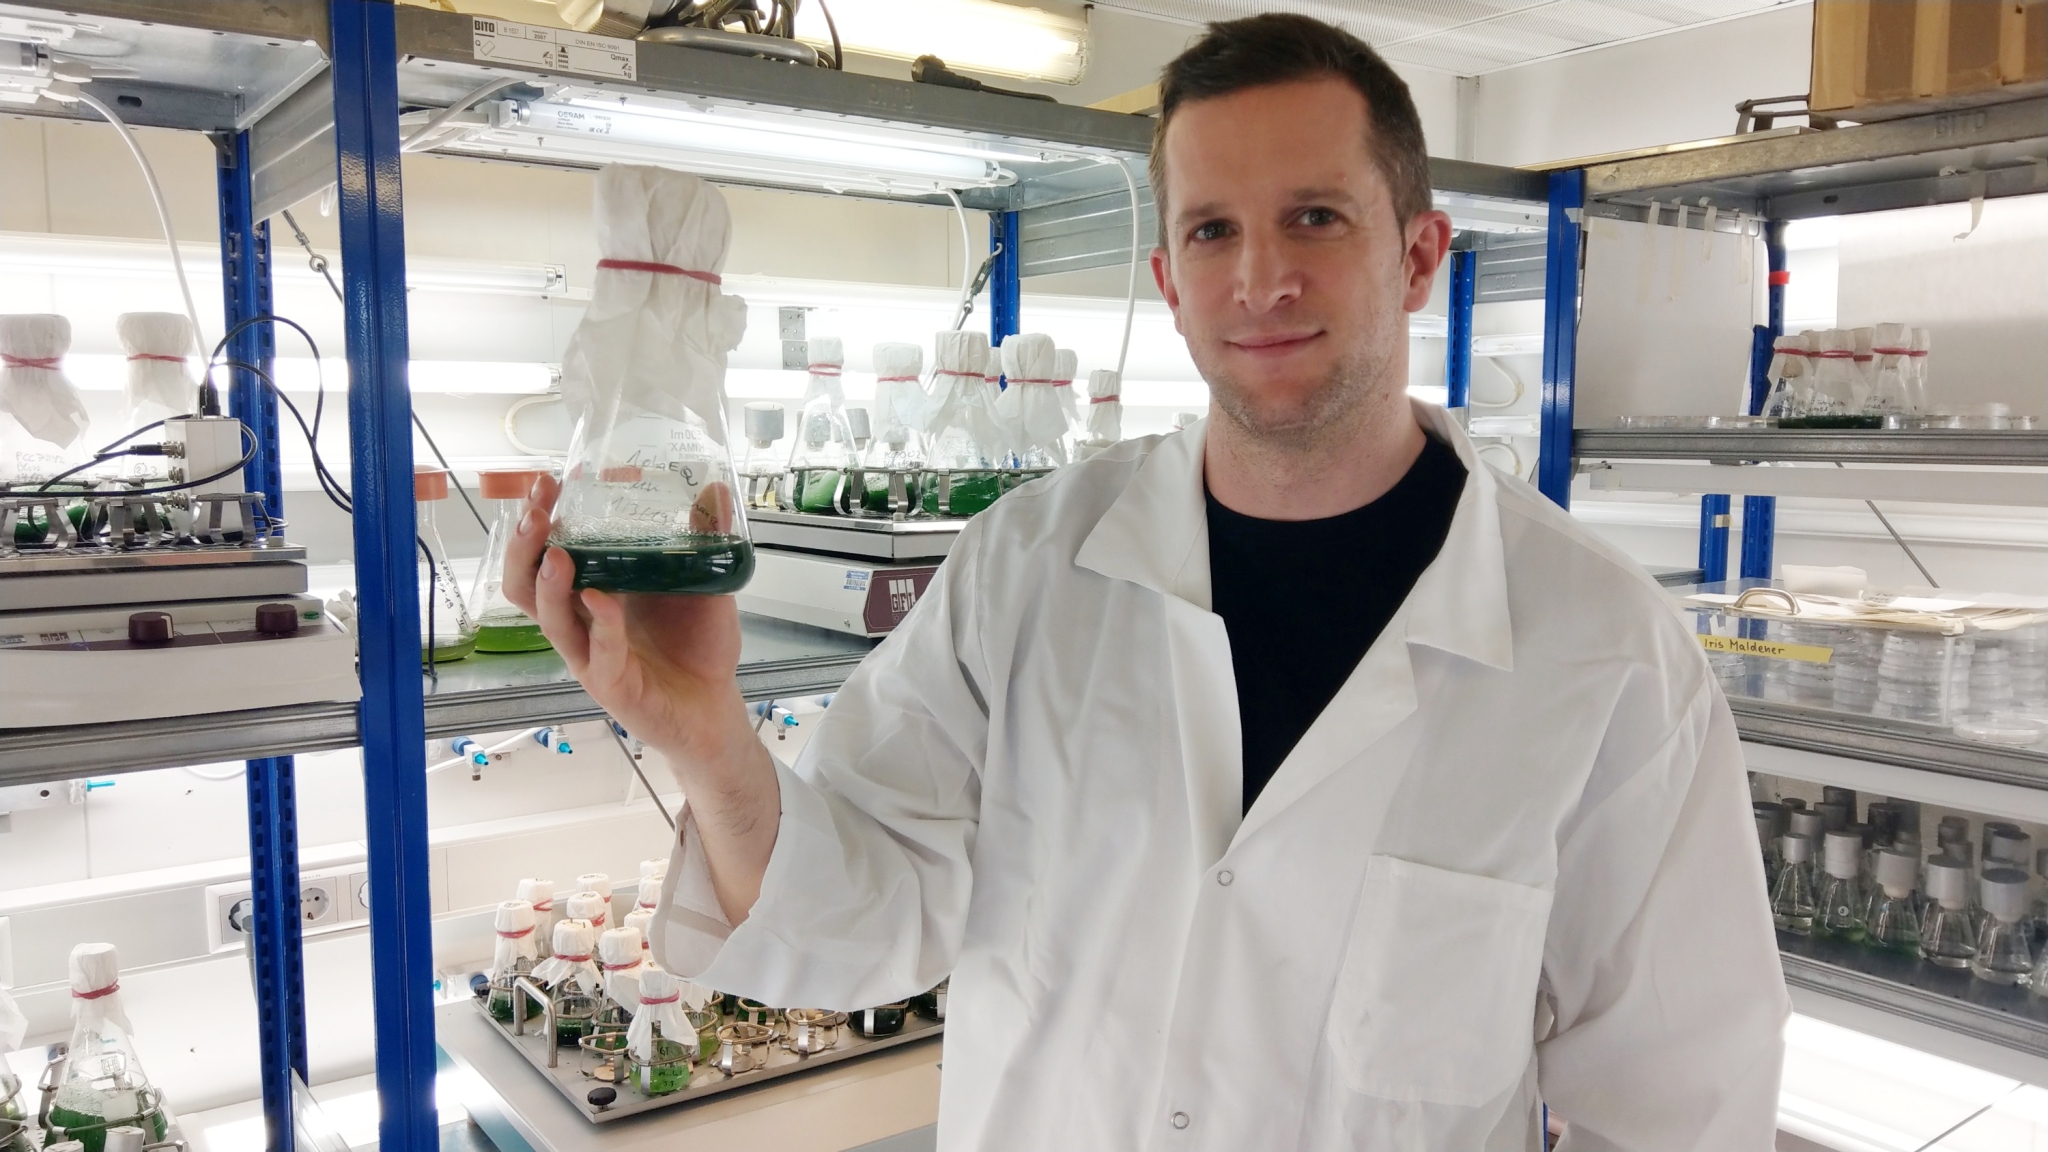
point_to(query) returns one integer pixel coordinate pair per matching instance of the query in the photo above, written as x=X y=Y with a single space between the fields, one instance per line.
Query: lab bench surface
x=478 y=694
x=887 y=1097
x=1947 y=998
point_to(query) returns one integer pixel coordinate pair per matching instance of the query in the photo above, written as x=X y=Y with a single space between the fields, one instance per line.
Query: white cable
x=424 y=138
x=504 y=745
x=512 y=412
x=229 y=775
x=1512 y=379
x=1131 y=291
x=966 y=259
x=163 y=214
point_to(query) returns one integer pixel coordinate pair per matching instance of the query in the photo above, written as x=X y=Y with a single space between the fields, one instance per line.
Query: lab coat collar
x=1156 y=535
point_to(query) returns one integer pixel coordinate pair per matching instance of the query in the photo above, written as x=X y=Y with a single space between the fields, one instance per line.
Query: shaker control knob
x=149 y=628
x=277 y=619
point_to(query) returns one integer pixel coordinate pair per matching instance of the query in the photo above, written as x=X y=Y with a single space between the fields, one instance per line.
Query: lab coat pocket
x=1434 y=995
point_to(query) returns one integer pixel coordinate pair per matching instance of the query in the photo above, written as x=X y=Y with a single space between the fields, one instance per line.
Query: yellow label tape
x=1809 y=653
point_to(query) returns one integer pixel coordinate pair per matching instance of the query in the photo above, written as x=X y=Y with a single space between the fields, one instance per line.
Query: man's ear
x=1162 y=275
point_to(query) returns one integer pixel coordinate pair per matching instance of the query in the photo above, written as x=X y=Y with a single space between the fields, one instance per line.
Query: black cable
x=98 y=458
x=329 y=486
x=237 y=466
x=319 y=264
x=832 y=26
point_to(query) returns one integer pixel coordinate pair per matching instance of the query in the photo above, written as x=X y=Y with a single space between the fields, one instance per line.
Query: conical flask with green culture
x=500 y=625
x=103 y=1084
x=649 y=501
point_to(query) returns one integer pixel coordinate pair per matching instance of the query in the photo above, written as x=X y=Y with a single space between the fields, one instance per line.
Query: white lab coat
x=1511 y=862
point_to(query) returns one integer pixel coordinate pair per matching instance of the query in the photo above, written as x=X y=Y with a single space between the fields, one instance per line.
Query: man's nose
x=1267 y=275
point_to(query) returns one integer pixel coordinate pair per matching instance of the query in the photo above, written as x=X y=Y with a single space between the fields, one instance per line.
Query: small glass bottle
x=1893 y=924
x=104 y=1086
x=824 y=439
x=447 y=630
x=661 y=1042
x=513 y=955
x=1806 y=822
x=1947 y=937
x=1793 y=906
x=500 y=625
x=2003 y=956
x=541 y=894
x=1841 y=898
x=763 y=471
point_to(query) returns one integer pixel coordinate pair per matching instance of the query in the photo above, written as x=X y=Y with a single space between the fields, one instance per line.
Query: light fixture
x=297 y=375
x=977 y=35
x=33 y=253
x=714 y=142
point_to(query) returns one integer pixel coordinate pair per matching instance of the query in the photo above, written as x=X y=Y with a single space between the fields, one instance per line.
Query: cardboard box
x=1874 y=59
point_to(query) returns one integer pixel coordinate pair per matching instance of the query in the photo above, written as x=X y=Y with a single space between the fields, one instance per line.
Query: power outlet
x=325 y=903
x=355 y=894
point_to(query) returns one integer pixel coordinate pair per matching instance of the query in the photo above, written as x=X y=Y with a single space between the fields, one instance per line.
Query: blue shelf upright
x=1005 y=282
x=1760 y=513
x=1560 y=334
x=275 y=941
x=393 y=719
x=1458 y=346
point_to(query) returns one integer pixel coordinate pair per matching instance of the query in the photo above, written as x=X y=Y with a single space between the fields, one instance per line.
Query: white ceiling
x=1472 y=37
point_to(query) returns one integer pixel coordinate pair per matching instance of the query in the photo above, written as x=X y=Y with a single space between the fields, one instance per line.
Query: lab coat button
x=1180 y=1119
x=1225 y=877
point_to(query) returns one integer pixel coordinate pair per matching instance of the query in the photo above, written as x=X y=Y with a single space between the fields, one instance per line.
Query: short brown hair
x=1277 y=48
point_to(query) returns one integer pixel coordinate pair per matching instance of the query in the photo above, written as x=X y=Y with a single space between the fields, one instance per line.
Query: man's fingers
x=610 y=646
x=554 y=608
x=523 y=551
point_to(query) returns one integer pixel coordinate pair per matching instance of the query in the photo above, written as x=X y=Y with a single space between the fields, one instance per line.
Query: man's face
x=1285 y=266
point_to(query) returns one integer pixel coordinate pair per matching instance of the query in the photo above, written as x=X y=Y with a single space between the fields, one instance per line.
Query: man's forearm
x=735 y=801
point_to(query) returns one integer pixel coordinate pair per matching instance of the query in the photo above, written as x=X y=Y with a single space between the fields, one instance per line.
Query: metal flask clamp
x=13 y=1125
x=812 y=1030
x=114 y=1133
x=743 y=1047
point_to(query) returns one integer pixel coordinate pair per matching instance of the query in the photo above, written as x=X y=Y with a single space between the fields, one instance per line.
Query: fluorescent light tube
x=978 y=35
x=99 y=372
x=714 y=144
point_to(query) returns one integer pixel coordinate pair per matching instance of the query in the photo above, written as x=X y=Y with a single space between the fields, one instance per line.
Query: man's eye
x=1317 y=217
x=1213 y=230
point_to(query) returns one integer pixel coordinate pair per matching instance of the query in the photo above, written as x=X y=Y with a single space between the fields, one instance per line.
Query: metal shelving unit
x=1938 y=158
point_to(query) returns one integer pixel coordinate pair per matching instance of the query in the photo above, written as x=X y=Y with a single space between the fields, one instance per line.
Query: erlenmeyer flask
x=648 y=501
x=762 y=470
x=1038 y=402
x=824 y=441
x=104 y=1085
x=500 y=625
x=896 y=457
x=447 y=630
x=961 y=477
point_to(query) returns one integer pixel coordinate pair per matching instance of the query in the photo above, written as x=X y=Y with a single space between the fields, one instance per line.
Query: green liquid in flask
x=91 y=1130
x=968 y=495
x=672 y=1074
x=446 y=648
x=816 y=491
x=709 y=565
x=513 y=634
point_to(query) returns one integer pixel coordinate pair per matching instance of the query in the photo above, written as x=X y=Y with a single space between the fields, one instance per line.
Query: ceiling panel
x=1472 y=37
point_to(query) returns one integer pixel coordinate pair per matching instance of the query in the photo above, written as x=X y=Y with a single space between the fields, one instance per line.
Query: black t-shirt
x=1304 y=599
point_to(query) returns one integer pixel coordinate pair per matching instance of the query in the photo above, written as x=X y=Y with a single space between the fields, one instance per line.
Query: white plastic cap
x=1809 y=824
x=858 y=423
x=1948 y=882
x=2005 y=893
x=1952 y=828
x=124 y=1138
x=1766 y=832
x=94 y=967
x=1843 y=852
x=2009 y=846
x=1896 y=872
x=764 y=422
x=1795 y=848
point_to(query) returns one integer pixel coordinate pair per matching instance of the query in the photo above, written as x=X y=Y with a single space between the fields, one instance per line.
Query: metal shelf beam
x=1730 y=446
x=1940 y=158
x=478 y=695
x=1885 y=742
x=1904 y=986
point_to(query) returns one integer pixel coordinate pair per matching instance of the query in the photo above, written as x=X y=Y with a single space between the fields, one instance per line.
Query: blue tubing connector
x=550 y=738
x=467 y=746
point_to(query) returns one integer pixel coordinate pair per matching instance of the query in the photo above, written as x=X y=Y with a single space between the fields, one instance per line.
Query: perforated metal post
x=1458 y=345
x=1560 y=334
x=1760 y=513
x=365 y=52
x=245 y=290
x=1714 y=538
x=275 y=942
x=1005 y=285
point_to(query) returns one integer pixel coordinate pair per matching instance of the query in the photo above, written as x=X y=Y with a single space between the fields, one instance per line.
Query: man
x=1288 y=782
